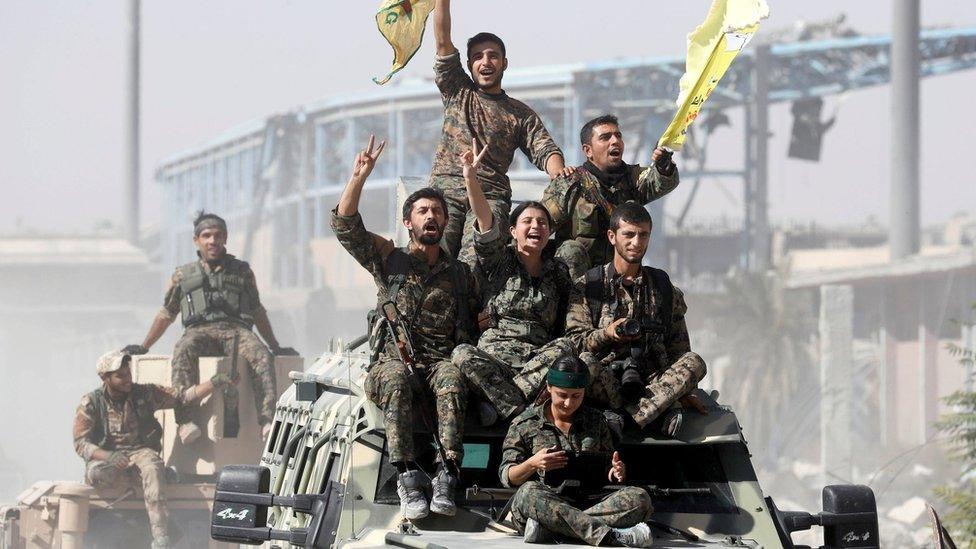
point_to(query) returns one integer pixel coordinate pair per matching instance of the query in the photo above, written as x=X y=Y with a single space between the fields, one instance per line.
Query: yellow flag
x=728 y=27
x=402 y=23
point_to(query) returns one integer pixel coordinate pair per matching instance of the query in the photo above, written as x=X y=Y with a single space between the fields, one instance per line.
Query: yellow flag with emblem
x=712 y=47
x=402 y=23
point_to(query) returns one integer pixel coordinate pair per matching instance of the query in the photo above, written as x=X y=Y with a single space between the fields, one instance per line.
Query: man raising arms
x=432 y=292
x=476 y=107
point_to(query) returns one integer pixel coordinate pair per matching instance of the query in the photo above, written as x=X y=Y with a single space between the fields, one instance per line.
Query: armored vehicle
x=74 y=515
x=324 y=479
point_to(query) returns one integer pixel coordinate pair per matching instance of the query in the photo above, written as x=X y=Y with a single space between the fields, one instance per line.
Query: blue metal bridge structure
x=278 y=177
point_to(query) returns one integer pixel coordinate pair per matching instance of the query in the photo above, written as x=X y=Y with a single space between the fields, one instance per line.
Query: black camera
x=629 y=328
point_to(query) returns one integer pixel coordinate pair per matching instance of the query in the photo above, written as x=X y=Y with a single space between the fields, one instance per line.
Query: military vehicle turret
x=324 y=479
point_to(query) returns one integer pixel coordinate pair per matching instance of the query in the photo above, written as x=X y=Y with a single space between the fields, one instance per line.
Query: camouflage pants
x=663 y=389
x=458 y=237
x=508 y=387
x=146 y=463
x=574 y=255
x=217 y=339
x=388 y=386
x=621 y=509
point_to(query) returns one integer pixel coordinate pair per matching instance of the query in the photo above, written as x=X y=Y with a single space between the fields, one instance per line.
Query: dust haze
x=72 y=286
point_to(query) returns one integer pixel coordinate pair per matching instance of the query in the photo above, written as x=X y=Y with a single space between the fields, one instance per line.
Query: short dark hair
x=571 y=364
x=207 y=219
x=426 y=192
x=586 y=134
x=513 y=217
x=630 y=212
x=482 y=37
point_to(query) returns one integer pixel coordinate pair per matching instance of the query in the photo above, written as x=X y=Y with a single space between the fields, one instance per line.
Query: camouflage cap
x=110 y=362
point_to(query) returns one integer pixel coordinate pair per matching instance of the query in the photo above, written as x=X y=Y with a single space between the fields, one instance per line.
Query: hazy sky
x=211 y=65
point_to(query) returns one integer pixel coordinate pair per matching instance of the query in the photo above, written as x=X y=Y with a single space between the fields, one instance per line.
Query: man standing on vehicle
x=632 y=320
x=476 y=107
x=433 y=293
x=581 y=203
x=116 y=434
x=217 y=297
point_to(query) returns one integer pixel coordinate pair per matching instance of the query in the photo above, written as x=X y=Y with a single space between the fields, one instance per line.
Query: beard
x=631 y=259
x=428 y=239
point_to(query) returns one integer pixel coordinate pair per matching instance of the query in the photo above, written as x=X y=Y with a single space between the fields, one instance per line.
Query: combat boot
x=536 y=533
x=487 y=414
x=635 y=536
x=671 y=422
x=410 y=488
x=188 y=432
x=442 y=499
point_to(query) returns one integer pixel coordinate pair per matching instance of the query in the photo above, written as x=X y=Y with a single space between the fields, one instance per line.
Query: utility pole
x=903 y=234
x=130 y=132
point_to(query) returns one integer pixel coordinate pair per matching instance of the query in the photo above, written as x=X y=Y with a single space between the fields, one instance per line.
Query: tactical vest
x=216 y=296
x=655 y=321
x=150 y=433
x=396 y=269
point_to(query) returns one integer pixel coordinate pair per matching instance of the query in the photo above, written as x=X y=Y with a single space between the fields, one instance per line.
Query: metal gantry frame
x=308 y=172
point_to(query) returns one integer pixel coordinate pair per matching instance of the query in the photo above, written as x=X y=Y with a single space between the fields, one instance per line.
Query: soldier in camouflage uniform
x=581 y=203
x=217 y=298
x=539 y=441
x=433 y=294
x=476 y=107
x=526 y=293
x=117 y=436
x=621 y=291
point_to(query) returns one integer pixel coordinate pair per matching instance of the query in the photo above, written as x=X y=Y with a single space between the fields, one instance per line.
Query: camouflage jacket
x=581 y=206
x=174 y=293
x=505 y=124
x=427 y=299
x=660 y=350
x=525 y=312
x=103 y=423
x=531 y=431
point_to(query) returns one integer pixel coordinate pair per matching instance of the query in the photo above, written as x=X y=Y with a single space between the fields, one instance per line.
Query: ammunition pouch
x=218 y=296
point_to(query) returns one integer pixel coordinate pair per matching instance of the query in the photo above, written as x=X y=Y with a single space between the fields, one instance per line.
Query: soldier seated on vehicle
x=434 y=295
x=541 y=441
x=631 y=322
x=117 y=435
x=526 y=293
x=581 y=203
x=217 y=298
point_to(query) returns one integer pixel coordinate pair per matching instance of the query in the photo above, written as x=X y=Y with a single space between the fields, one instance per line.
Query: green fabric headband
x=568 y=380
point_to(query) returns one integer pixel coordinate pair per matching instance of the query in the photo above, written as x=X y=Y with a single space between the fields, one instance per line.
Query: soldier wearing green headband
x=217 y=298
x=540 y=440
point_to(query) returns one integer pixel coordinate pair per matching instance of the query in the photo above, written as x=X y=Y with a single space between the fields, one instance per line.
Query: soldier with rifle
x=631 y=319
x=425 y=304
x=543 y=442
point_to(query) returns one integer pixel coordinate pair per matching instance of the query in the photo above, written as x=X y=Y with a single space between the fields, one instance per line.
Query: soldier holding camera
x=631 y=324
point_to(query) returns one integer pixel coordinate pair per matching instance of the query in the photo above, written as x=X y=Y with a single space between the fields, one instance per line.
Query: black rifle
x=232 y=418
x=404 y=347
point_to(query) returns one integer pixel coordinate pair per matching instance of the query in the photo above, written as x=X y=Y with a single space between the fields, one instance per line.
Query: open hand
x=366 y=159
x=568 y=171
x=618 y=470
x=471 y=159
